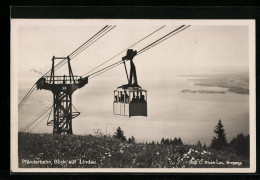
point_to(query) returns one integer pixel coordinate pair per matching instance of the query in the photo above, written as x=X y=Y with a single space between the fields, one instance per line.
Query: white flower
x=196 y=151
x=157 y=153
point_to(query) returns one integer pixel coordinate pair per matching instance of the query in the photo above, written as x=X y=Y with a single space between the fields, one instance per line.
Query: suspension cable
x=94 y=38
x=94 y=41
x=105 y=68
x=125 y=50
x=40 y=121
x=141 y=51
x=85 y=43
x=77 y=53
x=158 y=41
x=37 y=117
x=111 y=67
x=89 y=40
x=162 y=37
x=26 y=96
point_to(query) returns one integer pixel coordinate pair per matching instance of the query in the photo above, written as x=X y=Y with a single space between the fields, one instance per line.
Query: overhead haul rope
x=105 y=69
x=26 y=97
x=94 y=38
x=38 y=116
x=85 y=48
x=47 y=115
x=104 y=29
x=124 y=50
x=159 y=41
x=140 y=51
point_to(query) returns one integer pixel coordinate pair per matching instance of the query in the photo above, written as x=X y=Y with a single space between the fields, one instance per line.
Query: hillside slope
x=88 y=151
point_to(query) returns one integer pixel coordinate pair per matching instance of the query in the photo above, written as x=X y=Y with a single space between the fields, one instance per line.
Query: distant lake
x=191 y=116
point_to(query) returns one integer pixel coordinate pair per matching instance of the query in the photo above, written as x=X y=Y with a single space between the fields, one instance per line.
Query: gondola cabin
x=130 y=101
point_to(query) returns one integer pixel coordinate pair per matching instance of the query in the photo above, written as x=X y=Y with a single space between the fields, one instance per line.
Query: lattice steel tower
x=62 y=88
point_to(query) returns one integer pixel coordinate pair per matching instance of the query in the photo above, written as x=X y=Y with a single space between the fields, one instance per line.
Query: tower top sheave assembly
x=66 y=83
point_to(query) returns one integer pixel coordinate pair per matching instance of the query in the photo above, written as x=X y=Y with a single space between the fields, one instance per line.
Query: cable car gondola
x=130 y=99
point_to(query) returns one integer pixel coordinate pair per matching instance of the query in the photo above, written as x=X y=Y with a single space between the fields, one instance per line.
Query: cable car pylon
x=62 y=88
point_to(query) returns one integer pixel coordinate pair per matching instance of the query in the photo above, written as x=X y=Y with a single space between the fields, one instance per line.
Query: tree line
x=239 y=145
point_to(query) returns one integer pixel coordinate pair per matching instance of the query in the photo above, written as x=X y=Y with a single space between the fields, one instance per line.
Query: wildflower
x=121 y=151
x=202 y=153
x=104 y=157
x=109 y=155
x=157 y=153
x=205 y=152
x=196 y=151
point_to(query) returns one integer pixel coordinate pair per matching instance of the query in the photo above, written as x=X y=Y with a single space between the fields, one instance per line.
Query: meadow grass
x=88 y=151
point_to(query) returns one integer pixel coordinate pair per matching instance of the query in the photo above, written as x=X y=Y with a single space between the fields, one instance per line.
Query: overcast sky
x=198 y=49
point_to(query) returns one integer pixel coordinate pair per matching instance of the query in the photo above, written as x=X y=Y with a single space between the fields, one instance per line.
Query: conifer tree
x=204 y=146
x=119 y=134
x=199 y=144
x=179 y=141
x=219 y=141
x=162 y=141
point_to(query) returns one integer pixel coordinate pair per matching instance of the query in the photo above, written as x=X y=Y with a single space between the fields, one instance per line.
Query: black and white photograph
x=133 y=95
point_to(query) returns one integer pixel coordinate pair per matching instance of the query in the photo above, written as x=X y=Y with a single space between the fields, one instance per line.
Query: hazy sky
x=205 y=47
x=198 y=49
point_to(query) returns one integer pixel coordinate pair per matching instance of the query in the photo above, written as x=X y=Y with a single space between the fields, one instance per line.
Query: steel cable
x=98 y=35
x=124 y=50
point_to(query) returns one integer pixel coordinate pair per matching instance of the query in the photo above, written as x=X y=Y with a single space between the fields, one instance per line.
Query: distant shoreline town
x=203 y=91
x=237 y=83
